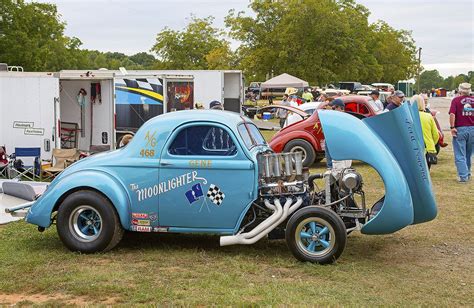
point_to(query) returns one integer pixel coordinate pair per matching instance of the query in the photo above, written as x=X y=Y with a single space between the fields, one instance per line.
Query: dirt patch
x=13 y=299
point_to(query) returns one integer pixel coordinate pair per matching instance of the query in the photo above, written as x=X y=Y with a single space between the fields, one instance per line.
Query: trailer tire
x=303 y=146
x=87 y=222
x=316 y=234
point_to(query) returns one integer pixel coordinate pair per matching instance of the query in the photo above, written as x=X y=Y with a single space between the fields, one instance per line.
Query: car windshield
x=251 y=135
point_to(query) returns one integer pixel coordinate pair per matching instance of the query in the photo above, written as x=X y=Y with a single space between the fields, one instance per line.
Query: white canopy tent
x=284 y=81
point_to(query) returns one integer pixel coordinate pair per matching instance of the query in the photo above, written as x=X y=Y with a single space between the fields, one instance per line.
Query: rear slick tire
x=316 y=234
x=87 y=222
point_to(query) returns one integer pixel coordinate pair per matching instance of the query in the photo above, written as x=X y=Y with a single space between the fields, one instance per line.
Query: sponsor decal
x=140 y=222
x=140 y=215
x=160 y=229
x=153 y=216
x=23 y=124
x=168 y=185
x=141 y=228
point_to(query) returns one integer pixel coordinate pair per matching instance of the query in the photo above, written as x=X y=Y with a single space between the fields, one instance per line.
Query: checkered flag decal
x=215 y=194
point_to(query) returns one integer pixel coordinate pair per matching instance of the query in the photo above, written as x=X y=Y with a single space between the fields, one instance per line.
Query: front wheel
x=87 y=222
x=316 y=234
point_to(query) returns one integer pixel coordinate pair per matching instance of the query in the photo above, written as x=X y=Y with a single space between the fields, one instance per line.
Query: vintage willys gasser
x=212 y=172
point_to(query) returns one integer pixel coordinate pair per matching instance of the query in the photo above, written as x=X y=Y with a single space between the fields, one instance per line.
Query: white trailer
x=87 y=110
x=225 y=86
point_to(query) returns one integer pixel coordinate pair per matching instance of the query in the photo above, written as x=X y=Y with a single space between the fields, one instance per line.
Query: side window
x=363 y=109
x=351 y=107
x=204 y=140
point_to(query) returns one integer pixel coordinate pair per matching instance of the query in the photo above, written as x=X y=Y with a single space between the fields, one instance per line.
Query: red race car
x=307 y=136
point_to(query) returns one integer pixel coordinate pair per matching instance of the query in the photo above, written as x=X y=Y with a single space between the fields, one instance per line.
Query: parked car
x=306 y=136
x=308 y=108
x=209 y=171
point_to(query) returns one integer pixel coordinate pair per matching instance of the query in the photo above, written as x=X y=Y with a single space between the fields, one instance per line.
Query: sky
x=444 y=29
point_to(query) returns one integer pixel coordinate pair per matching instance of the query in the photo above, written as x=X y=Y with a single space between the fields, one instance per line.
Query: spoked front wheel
x=316 y=234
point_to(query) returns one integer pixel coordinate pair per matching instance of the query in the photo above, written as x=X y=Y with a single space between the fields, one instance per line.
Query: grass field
x=428 y=264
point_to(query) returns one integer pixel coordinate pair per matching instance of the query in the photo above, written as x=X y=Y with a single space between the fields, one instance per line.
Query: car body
x=383 y=86
x=307 y=136
x=308 y=108
x=209 y=171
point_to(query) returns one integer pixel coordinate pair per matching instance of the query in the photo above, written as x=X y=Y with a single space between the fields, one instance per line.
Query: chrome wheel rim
x=300 y=149
x=85 y=223
x=315 y=237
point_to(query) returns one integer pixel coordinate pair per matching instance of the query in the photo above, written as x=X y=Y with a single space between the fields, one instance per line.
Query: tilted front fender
x=392 y=143
x=41 y=211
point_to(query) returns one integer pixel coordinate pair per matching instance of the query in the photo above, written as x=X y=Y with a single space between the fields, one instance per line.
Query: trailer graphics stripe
x=139 y=91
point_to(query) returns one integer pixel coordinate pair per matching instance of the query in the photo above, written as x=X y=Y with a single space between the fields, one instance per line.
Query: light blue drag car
x=208 y=171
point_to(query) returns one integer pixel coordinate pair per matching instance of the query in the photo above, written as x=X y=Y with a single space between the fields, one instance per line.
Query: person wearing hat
x=397 y=100
x=374 y=95
x=461 y=120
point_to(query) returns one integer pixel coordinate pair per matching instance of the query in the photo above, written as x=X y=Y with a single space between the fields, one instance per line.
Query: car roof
x=354 y=98
x=226 y=117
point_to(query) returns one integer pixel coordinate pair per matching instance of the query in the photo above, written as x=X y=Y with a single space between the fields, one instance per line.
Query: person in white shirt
x=375 y=97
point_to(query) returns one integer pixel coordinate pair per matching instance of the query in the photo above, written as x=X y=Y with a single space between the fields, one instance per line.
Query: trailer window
x=203 y=140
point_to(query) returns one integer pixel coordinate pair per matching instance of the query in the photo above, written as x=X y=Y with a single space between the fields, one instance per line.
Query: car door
x=206 y=179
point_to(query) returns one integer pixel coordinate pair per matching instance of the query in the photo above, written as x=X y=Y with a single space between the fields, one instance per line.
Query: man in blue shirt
x=397 y=100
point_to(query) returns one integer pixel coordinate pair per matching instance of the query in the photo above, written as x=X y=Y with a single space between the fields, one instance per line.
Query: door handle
x=163 y=163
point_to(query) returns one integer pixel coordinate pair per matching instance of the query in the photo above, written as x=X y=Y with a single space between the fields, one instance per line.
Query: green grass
x=427 y=264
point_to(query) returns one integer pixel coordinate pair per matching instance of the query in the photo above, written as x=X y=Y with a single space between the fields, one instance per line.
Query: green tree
x=193 y=47
x=145 y=60
x=32 y=36
x=430 y=79
x=320 y=41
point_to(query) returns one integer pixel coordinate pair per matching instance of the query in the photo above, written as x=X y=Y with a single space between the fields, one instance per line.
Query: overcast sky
x=443 y=28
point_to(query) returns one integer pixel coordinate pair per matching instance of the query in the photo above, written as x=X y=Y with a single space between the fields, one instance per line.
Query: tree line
x=432 y=80
x=321 y=41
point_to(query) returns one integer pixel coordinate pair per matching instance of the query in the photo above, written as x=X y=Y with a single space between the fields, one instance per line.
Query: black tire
x=81 y=211
x=300 y=145
x=326 y=247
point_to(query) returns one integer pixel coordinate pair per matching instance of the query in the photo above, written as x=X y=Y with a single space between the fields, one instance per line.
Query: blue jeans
x=463 y=145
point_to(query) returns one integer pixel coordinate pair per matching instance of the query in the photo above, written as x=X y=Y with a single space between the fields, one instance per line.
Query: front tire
x=87 y=222
x=303 y=146
x=316 y=234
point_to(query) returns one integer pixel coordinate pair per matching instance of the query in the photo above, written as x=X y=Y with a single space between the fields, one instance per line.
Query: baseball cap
x=399 y=93
x=337 y=103
x=375 y=92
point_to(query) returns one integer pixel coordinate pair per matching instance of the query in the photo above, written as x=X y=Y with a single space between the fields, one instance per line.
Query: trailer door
x=233 y=89
x=28 y=111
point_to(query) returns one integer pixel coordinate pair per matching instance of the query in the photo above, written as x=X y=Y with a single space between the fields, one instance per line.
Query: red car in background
x=307 y=136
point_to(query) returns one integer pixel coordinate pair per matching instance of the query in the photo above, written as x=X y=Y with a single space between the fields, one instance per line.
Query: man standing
x=461 y=120
x=281 y=112
x=397 y=99
x=375 y=97
x=307 y=95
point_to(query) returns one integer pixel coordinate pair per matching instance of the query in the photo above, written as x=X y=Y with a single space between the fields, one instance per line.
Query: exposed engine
x=285 y=186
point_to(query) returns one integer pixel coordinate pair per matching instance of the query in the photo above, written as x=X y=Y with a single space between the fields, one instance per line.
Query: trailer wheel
x=87 y=222
x=316 y=234
x=303 y=146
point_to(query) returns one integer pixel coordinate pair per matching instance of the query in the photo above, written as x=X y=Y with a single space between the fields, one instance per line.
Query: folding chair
x=3 y=162
x=31 y=169
x=62 y=158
